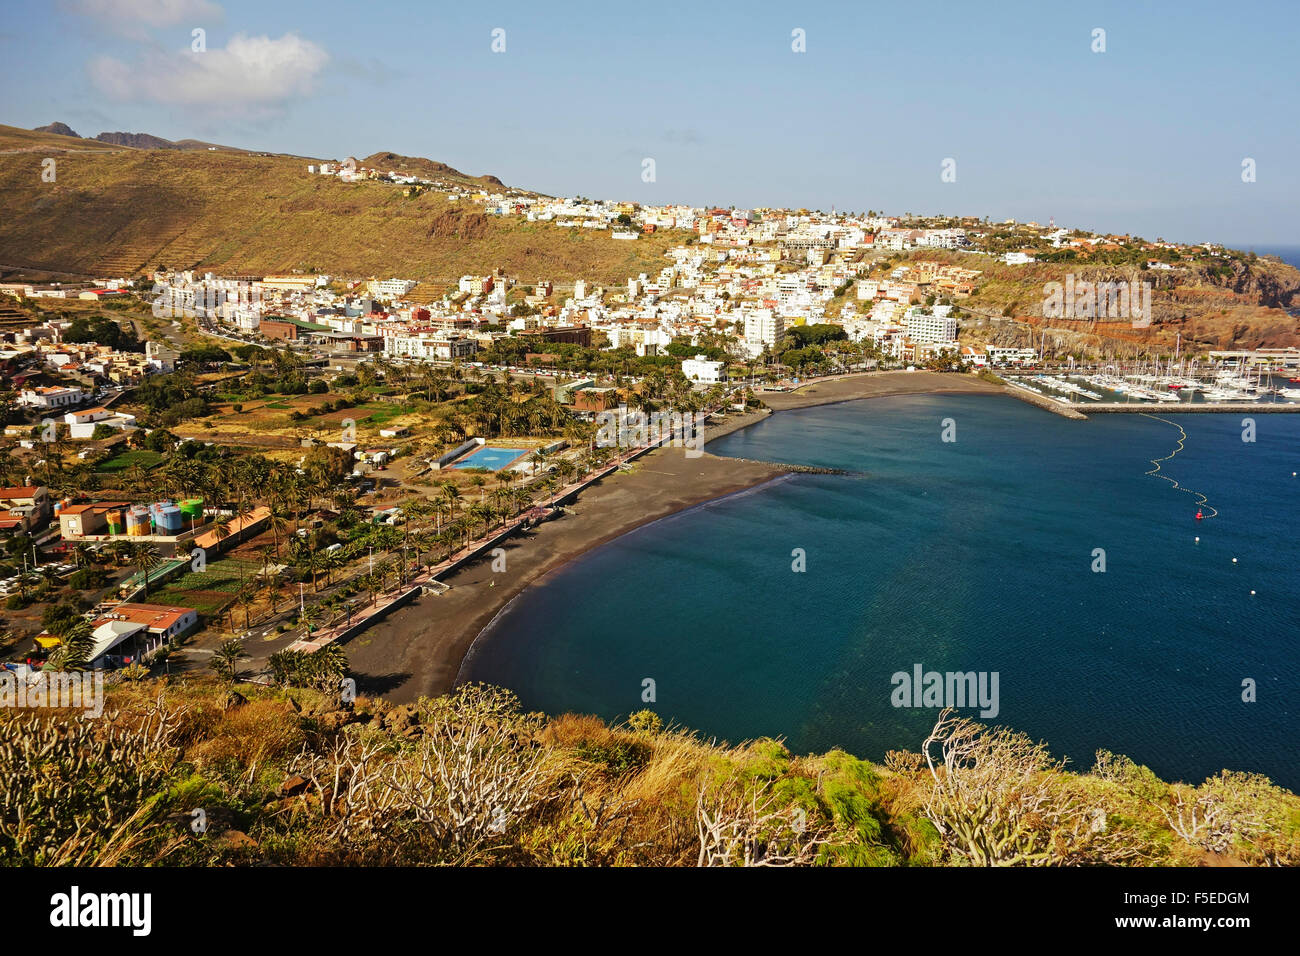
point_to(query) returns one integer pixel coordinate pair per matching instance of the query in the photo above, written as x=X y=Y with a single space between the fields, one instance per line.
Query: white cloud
x=249 y=72
x=154 y=13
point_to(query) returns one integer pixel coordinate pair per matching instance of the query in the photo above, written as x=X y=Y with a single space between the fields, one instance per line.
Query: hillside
x=13 y=139
x=62 y=129
x=127 y=211
x=1237 y=304
x=290 y=777
x=147 y=141
x=425 y=169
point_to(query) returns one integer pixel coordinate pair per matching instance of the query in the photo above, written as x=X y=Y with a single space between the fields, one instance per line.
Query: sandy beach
x=419 y=649
x=875 y=385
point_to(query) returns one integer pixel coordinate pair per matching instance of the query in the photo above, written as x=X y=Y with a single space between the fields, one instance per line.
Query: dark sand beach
x=419 y=649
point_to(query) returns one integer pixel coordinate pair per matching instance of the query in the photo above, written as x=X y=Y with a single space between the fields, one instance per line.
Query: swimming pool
x=493 y=458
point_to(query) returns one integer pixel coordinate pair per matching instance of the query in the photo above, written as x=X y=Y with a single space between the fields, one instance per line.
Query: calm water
x=1288 y=254
x=970 y=555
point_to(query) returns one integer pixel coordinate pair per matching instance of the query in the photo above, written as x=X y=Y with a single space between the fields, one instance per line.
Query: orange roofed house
x=134 y=629
x=24 y=508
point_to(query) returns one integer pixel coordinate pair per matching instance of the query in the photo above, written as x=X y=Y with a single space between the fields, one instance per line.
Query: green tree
x=225 y=660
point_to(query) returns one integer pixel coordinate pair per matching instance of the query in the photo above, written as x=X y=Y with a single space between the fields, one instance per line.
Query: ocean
x=974 y=555
x=1288 y=254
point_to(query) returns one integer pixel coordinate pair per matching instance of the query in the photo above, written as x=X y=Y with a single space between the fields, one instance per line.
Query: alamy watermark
x=73 y=690
x=203 y=299
x=953 y=689
x=627 y=429
x=1081 y=299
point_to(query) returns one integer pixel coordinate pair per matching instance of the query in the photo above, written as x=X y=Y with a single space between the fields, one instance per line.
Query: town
x=227 y=456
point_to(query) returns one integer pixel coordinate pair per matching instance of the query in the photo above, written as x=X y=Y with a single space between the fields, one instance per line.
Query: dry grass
x=124 y=212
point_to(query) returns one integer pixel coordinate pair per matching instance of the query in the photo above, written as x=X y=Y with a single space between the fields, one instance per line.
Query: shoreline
x=419 y=650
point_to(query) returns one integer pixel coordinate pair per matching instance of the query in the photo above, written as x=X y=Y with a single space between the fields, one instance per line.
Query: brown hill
x=13 y=139
x=425 y=169
x=127 y=211
x=60 y=129
x=148 y=141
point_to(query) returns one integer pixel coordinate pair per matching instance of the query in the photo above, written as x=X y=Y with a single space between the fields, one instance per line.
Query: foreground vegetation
x=194 y=772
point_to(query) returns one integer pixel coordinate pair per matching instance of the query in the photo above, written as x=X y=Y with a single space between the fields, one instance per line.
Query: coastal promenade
x=383 y=604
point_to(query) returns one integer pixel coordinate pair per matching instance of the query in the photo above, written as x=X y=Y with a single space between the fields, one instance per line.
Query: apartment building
x=929 y=327
x=763 y=327
x=390 y=288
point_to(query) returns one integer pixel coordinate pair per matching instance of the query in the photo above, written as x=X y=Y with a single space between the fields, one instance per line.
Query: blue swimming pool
x=487 y=457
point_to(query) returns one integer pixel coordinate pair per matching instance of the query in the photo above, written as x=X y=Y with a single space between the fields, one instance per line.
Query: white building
x=1001 y=355
x=475 y=285
x=390 y=288
x=82 y=424
x=943 y=239
x=763 y=327
x=440 y=348
x=161 y=357
x=926 y=327
x=50 y=397
x=700 y=369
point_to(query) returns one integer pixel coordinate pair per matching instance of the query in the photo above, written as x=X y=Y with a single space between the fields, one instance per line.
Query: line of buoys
x=1201 y=502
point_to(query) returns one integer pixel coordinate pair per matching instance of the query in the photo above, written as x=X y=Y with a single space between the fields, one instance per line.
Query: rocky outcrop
x=62 y=129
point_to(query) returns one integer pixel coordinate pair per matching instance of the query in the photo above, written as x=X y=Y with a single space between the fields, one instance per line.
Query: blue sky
x=1148 y=137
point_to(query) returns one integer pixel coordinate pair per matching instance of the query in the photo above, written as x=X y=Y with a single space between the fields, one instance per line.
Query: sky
x=1147 y=128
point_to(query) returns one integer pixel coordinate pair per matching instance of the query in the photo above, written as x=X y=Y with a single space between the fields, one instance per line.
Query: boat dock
x=1076 y=410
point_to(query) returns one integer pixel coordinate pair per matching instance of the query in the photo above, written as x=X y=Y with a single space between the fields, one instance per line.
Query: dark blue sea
x=1288 y=254
x=970 y=555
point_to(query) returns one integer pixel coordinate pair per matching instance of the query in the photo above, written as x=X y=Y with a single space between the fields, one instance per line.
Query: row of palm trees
x=436 y=527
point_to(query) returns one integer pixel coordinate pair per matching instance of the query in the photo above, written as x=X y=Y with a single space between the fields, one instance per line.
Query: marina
x=1173 y=386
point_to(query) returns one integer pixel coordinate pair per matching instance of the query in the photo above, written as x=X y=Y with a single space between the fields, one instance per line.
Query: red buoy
x=1199 y=516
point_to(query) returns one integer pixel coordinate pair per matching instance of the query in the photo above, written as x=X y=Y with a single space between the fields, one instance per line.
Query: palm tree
x=75 y=646
x=451 y=494
x=221 y=527
x=225 y=659
x=273 y=593
x=448 y=537
x=268 y=556
x=314 y=563
x=49 y=575
x=145 y=558
x=479 y=511
x=245 y=597
x=331 y=561
x=441 y=506
x=308 y=615
x=279 y=524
